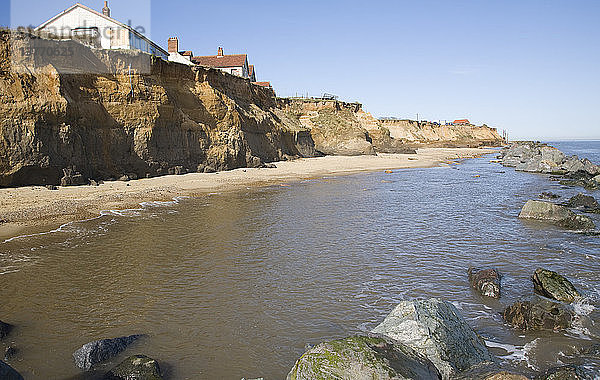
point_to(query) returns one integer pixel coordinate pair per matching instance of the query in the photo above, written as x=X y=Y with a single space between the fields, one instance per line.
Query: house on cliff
x=461 y=122
x=251 y=73
x=175 y=55
x=99 y=30
x=236 y=64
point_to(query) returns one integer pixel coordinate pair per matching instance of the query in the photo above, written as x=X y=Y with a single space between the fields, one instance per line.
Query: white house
x=81 y=22
x=175 y=55
x=236 y=64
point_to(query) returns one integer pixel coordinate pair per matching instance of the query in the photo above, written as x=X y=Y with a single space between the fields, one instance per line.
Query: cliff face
x=430 y=134
x=106 y=122
x=102 y=114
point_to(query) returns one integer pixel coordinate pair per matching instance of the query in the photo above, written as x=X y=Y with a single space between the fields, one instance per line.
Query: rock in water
x=565 y=372
x=362 y=357
x=538 y=315
x=548 y=195
x=553 y=285
x=435 y=329
x=8 y=373
x=136 y=367
x=586 y=202
x=485 y=281
x=100 y=350
x=5 y=329
x=556 y=214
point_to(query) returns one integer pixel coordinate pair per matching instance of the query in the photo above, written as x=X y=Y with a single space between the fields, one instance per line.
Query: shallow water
x=234 y=285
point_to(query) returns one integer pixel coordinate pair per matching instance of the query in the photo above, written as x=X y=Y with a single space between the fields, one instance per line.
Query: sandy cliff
x=102 y=114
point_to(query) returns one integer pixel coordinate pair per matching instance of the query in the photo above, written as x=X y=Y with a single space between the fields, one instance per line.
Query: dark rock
x=10 y=352
x=136 y=367
x=51 y=187
x=555 y=214
x=553 y=285
x=485 y=281
x=436 y=329
x=565 y=372
x=269 y=166
x=200 y=168
x=8 y=373
x=209 y=169
x=585 y=202
x=548 y=195
x=177 y=170
x=100 y=350
x=362 y=357
x=538 y=315
x=93 y=183
x=72 y=178
x=5 y=329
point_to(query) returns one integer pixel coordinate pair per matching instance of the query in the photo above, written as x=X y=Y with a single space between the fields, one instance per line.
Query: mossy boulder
x=553 y=285
x=136 y=367
x=362 y=357
x=538 y=314
x=556 y=214
x=436 y=329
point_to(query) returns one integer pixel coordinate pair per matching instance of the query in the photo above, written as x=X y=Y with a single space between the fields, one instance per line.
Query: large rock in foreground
x=556 y=214
x=538 y=315
x=553 y=285
x=8 y=373
x=485 y=281
x=435 y=329
x=137 y=367
x=100 y=350
x=362 y=357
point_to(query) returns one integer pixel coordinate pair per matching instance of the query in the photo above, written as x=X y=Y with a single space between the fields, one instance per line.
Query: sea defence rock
x=362 y=357
x=553 y=285
x=564 y=372
x=548 y=195
x=538 y=314
x=98 y=351
x=485 y=281
x=436 y=329
x=138 y=367
x=586 y=203
x=555 y=214
x=5 y=329
x=9 y=373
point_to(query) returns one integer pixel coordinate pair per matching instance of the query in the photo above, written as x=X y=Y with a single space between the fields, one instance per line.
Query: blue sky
x=531 y=67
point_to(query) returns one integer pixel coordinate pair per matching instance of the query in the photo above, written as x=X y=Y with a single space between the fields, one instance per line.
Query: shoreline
x=34 y=210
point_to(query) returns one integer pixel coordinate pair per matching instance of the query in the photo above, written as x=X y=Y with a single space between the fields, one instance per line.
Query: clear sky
x=529 y=66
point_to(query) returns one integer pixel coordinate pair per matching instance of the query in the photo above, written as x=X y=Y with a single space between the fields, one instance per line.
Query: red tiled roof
x=187 y=53
x=461 y=121
x=263 y=84
x=234 y=60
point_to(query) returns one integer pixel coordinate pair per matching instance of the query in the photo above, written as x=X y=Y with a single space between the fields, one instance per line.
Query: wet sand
x=36 y=209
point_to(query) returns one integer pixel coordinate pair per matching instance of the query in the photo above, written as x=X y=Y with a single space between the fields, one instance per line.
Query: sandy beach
x=36 y=209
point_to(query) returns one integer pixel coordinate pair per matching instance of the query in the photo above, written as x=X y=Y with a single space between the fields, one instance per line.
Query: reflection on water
x=234 y=285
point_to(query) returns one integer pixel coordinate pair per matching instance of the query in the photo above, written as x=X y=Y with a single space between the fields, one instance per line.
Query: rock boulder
x=538 y=315
x=436 y=329
x=555 y=214
x=8 y=373
x=362 y=357
x=5 y=329
x=100 y=350
x=485 y=281
x=565 y=372
x=553 y=285
x=136 y=367
x=585 y=202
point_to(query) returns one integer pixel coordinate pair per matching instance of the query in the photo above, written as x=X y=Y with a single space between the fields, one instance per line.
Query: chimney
x=106 y=9
x=173 y=45
x=220 y=52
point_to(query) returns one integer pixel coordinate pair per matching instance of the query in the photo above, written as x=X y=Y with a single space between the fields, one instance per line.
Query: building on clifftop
x=236 y=64
x=175 y=55
x=99 y=30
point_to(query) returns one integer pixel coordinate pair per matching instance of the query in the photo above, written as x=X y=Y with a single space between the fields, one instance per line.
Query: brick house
x=236 y=64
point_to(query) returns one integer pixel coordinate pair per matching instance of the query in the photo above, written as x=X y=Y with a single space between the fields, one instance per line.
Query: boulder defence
x=362 y=357
x=538 y=314
x=9 y=373
x=435 y=329
x=555 y=214
x=485 y=281
x=553 y=285
x=585 y=202
x=138 y=367
x=98 y=351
